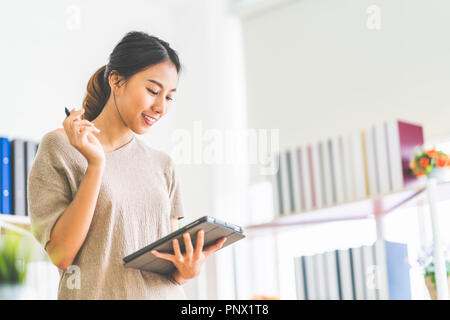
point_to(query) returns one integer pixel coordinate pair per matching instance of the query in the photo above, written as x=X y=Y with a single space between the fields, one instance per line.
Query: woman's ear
x=114 y=79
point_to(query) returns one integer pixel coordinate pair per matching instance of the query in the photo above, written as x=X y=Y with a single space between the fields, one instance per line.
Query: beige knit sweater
x=139 y=193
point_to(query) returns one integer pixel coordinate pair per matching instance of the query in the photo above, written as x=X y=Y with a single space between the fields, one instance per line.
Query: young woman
x=97 y=193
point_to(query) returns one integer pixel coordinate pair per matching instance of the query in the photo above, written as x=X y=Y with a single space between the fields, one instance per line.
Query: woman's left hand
x=189 y=264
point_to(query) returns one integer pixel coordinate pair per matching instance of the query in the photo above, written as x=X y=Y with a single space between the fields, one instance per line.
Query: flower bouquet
x=429 y=163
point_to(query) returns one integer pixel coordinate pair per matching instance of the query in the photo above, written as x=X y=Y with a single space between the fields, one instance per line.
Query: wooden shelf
x=362 y=209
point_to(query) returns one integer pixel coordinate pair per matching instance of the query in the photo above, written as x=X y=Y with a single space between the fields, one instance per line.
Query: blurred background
x=299 y=71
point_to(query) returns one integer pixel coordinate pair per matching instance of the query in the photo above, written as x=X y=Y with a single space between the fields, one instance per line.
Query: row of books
x=17 y=159
x=371 y=272
x=345 y=168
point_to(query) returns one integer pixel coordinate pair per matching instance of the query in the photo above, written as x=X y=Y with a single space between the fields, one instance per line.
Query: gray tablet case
x=214 y=229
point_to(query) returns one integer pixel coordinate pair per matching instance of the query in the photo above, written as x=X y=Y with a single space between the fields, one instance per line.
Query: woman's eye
x=156 y=93
x=153 y=92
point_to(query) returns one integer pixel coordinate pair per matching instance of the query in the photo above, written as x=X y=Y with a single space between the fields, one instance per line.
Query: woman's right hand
x=81 y=136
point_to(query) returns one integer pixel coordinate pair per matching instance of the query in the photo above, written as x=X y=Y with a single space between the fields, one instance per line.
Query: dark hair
x=134 y=53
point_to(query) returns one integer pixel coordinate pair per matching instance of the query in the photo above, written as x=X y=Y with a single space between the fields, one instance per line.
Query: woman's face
x=148 y=92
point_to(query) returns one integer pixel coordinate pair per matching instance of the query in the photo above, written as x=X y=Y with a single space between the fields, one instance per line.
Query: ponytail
x=96 y=96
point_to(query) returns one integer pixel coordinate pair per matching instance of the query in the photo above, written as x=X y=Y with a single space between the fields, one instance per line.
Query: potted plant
x=425 y=260
x=15 y=254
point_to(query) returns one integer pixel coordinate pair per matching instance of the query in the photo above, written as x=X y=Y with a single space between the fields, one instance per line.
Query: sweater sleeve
x=49 y=190
x=176 y=200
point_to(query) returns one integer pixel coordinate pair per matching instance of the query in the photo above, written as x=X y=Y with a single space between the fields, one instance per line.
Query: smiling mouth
x=148 y=120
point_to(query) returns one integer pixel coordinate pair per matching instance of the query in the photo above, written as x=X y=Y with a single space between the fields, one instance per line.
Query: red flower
x=424 y=162
x=441 y=161
x=432 y=153
x=420 y=173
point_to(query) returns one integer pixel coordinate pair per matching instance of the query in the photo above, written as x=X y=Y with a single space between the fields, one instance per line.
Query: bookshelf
x=18 y=221
x=371 y=207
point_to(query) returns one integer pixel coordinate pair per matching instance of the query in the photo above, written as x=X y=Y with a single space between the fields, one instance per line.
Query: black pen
x=67 y=111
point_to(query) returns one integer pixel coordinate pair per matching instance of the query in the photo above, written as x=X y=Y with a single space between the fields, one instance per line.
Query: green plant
x=429 y=271
x=15 y=254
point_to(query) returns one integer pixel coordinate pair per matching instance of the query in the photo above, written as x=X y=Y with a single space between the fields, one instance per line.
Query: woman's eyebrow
x=159 y=84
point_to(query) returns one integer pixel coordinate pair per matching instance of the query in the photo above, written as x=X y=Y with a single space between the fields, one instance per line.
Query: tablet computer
x=214 y=230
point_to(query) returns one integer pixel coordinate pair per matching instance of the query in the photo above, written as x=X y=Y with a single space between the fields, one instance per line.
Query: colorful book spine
x=297 y=196
x=320 y=276
x=310 y=276
x=345 y=274
x=358 y=274
x=347 y=168
x=318 y=176
x=275 y=181
x=371 y=163
x=358 y=165
x=393 y=281
x=299 y=279
x=370 y=270
x=382 y=160
x=290 y=182
x=337 y=169
x=331 y=275
x=312 y=177
x=18 y=178
x=327 y=174
x=403 y=138
x=285 y=190
x=306 y=179
x=5 y=176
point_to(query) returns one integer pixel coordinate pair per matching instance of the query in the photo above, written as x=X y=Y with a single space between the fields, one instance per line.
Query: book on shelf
x=338 y=179
x=310 y=285
x=5 y=179
x=346 y=168
x=370 y=161
x=290 y=182
x=17 y=159
x=305 y=173
x=317 y=176
x=299 y=278
x=358 y=273
x=358 y=164
x=326 y=171
x=392 y=276
x=18 y=177
x=320 y=279
x=402 y=138
x=345 y=274
x=285 y=192
x=382 y=160
x=312 y=178
x=296 y=186
x=371 y=272
x=369 y=267
x=275 y=181
x=332 y=276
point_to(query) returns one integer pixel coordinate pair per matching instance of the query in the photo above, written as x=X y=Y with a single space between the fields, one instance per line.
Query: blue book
x=5 y=176
x=392 y=259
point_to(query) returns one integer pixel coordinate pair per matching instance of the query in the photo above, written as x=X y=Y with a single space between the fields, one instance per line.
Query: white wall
x=314 y=68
